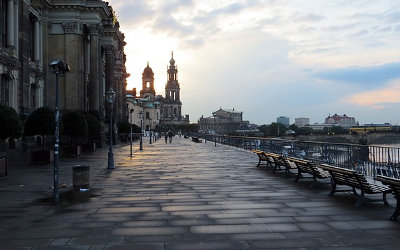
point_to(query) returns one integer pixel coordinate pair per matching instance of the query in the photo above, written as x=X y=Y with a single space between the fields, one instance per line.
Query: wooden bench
x=342 y=176
x=394 y=184
x=288 y=164
x=261 y=157
x=311 y=168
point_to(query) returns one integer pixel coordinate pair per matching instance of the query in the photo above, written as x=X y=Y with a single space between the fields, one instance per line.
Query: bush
x=40 y=122
x=74 y=124
x=10 y=123
x=94 y=127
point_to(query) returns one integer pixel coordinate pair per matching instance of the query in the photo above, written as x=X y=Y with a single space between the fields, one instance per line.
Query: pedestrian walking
x=170 y=134
x=166 y=137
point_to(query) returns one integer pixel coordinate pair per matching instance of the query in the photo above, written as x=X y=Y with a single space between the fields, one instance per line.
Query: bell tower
x=148 y=90
x=171 y=111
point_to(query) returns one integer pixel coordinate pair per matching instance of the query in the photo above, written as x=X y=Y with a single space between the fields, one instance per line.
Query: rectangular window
x=4 y=91
x=33 y=98
x=32 y=21
x=3 y=23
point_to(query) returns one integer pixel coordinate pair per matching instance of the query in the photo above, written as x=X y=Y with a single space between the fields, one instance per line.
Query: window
x=33 y=97
x=5 y=90
x=32 y=21
x=3 y=23
x=147 y=115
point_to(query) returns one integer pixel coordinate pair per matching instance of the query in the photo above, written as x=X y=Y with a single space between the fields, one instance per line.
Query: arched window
x=174 y=111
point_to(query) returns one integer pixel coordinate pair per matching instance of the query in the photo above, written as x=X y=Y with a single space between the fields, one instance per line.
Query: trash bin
x=80 y=177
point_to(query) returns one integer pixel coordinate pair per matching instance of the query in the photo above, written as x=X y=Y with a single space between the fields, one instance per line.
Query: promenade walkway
x=185 y=195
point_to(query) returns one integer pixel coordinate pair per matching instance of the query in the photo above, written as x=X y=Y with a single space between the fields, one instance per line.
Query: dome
x=172 y=61
x=148 y=71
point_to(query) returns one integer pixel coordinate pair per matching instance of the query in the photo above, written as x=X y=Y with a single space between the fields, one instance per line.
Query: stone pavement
x=185 y=195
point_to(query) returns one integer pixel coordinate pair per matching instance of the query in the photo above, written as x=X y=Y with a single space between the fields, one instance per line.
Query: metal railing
x=367 y=159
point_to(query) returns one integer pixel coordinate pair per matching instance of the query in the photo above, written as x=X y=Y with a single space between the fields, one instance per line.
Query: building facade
x=301 y=122
x=157 y=109
x=83 y=33
x=284 y=120
x=341 y=120
x=222 y=121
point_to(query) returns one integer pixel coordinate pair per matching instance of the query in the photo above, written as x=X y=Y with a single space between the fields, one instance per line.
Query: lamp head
x=59 y=67
x=110 y=95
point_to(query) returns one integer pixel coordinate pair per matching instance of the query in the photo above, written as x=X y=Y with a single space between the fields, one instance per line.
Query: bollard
x=80 y=177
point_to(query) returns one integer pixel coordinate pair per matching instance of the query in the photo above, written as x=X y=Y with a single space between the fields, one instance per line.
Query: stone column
x=94 y=68
x=110 y=62
x=16 y=26
x=10 y=24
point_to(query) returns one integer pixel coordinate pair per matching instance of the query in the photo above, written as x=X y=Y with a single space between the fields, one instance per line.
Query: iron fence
x=370 y=160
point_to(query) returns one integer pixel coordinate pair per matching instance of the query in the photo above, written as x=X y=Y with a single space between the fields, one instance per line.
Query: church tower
x=171 y=112
x=148 y=90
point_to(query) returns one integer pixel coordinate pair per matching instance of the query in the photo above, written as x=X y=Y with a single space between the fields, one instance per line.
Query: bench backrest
x=392 y=182
x=348 y=177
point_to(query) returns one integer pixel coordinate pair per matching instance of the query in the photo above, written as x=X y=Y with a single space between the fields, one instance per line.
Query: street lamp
x=59 y=68
x=131 y=112
x=141 y=130
x=110 y=96
x=150 y=130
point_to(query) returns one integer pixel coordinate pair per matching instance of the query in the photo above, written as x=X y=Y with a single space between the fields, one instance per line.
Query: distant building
x=223 y=121
x=283 y=119
x=318 y=126
x=301 y=122
x=341 y=120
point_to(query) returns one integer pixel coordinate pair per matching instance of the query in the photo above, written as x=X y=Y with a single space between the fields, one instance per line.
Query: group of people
x=168 y=136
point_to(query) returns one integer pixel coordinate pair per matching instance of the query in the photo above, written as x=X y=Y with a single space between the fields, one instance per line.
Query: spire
x=172 y=54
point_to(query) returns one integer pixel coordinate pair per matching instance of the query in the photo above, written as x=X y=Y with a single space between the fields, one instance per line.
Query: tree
x=277 y=129
x=94 y=127
x=10 y=123
x=264 y=129
x=40 y=122
x=294 y=128
x=74 y=124
x=305 y=131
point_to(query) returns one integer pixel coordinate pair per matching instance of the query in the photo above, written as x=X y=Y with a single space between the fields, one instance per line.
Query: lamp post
x=131 y=112
x=141 y=130
x=150 y=130
x=110 y=96
x=59 y=68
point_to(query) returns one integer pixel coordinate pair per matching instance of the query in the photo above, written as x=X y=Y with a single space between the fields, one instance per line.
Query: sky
x=270 y=58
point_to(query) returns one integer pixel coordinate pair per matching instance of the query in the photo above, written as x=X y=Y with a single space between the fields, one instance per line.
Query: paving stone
x=228 y=229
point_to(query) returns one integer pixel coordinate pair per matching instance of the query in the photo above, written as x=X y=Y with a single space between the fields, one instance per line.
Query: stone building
x=83 y=33
x=222 y=121
x=157 y=109
x=341 y=120
x=171 y=105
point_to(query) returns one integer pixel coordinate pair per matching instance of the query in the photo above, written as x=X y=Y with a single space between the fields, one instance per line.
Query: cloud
x=368 y=77
x=378 y=99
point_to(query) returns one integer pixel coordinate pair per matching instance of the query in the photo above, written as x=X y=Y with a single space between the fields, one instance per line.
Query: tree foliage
x=94 y=127
x=10 y=123
x=40 y=122
x=74 y=124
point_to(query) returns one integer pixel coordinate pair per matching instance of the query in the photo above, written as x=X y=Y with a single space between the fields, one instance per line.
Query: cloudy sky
x=270 y=58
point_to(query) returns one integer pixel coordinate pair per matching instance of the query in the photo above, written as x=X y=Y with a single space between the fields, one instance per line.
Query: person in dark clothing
x=166 y=137
x=170 y=134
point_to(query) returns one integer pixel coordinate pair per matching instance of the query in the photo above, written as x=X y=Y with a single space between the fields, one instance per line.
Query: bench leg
x=384 y=199
x=259 y=162
x=314 y=182
x=333 y=190
x=396 y=211
x=299 y=175
x=360 y=200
